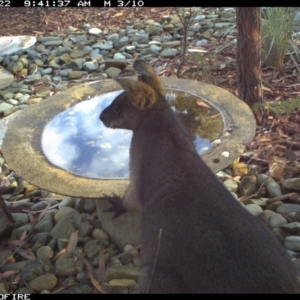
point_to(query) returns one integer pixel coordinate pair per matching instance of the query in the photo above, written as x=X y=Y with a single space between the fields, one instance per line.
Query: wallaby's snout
x=110 y=116
x=104 y=119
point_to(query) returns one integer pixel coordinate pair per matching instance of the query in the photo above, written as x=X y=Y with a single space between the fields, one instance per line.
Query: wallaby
x=196 y=238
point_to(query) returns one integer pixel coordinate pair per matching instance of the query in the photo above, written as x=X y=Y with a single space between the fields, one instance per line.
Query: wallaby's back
x=196 y=238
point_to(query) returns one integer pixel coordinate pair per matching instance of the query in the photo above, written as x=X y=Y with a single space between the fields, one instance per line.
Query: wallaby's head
x=139 y=97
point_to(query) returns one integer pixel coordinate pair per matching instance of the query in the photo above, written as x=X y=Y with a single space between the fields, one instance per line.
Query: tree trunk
x=248 y=57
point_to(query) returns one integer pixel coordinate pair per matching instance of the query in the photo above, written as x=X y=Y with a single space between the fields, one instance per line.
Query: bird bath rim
x=22 y=141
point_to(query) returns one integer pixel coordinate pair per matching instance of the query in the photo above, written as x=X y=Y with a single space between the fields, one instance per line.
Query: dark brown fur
x=196 y=238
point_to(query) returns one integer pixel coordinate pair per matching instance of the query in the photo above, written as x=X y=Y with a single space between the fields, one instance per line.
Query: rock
x=43 y=240
x=16 y=234
x=277 y=220
x=171 y=44
x=95 y=54
x=129 y=283
x=254 y=209
x=3 y=288
x=45 y=252
x=77 y=289
x=292 y=228
x=78 y=53
x=39 y=206
x=75 y=65
x=100 y=234
x=82 y=224
x=67 y=201
x=297 y=265
x=32 y=270
x=62 y=243
x=33 y=78
x=63 y=229
x=266 y=215
x=260 y=202
x=56 y=42
x=133 y=251
x=12 y=101
x=6 y=109
x=112 y=37
x=80 y=38
x=263 y=178
x=231 y=185
x=6 y=78
x=47 y=71
x=65 y=212
x=292 y=243
x=201 y=43
x=118 y=272
x=292 y=184
x=89 y=205
x=95 y=31
x=5 y=255
x=124 y=39
x=126 y=229
x=296 y=216
x=273 y=206
x=222 y=24
x=64 y=72
x=227 y=15
x=119 y=56
x=287 y=208
x=20 y=219
x=75 y=74
x=168 y=53
x=63 y=50
x=89 y=66
x=105 y=46
x=23 y=290
x=93 y=247
x=112 y=72
x=273 y=188
x=20 y=265
x=45 y=224
x=155 y=48
x=199 y=18
x=68 y=264
x=43 y=282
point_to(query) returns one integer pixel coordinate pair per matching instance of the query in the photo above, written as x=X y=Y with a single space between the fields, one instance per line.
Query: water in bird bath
x=77 y=141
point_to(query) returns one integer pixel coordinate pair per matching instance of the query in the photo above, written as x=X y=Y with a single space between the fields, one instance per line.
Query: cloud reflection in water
x=77 y=141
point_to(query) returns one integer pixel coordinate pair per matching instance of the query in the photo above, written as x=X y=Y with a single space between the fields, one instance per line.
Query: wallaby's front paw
x=116 y=205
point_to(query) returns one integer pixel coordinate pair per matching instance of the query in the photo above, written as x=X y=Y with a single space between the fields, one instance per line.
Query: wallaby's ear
x=148 y=76
x=141 y=95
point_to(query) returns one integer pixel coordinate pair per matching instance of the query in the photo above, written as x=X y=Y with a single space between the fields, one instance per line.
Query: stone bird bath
x=59 y=144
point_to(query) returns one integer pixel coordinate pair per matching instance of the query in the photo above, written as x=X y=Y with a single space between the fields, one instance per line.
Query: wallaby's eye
x=116 y=109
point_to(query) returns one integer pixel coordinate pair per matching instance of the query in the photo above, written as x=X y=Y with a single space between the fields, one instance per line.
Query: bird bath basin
x=76 y=141
x=62 y=146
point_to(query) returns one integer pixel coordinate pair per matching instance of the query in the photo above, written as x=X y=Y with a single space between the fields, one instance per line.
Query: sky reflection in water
x=77 y=141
